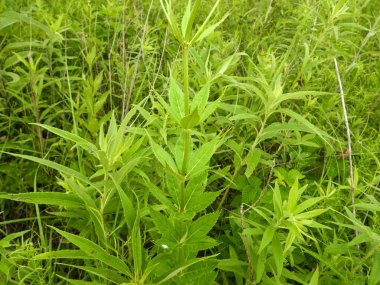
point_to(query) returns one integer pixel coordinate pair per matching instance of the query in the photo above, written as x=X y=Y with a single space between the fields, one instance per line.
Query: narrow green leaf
x=202 y=156
x=260 y=266
x=162 y=155
x=190 y=121
x=276 y=129
x=127 y=205
x=171 y=20
x=368 y=207
x=310 y=214
x=79 y=282
x=252 y=160
x=137 y=247
x=160 y=196
x=176 y=100
x=267 y=238
x=307 y=204
x=63 y=254
x=228 y=62
x=5 y=22
x=71 y=137
x=105 y=273
x=204 y=31
x=204 y=224
x=299 y=95
x=54 y=165
x=6 y=241
x=311 y=128
x=315 y=278
x=277 y=201
x=182 y=268
x=200 y=99
x=186 y=19
x=48 y=198
x=94 y=250
x=289 y=241
x=251 y=118
x=278 y=255
x=374 y=277
x=293 y=196
x=210 y=108
x=190 y=22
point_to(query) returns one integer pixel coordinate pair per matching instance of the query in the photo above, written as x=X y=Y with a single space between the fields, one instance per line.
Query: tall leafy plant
x=181 y=227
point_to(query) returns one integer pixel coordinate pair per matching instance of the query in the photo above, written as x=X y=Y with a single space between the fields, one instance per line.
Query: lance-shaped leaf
x=95 y=251
x=83 y=143
x=47 y=198
x=56 y=166
x=162 y=155
x=200 y=99
x=202 y=156
x=190 y=121
x=176 y=100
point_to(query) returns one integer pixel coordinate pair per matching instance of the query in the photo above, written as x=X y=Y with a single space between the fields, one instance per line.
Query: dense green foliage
x=199 y=142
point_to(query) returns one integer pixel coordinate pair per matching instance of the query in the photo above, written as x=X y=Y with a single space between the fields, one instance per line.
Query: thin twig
x=152 y=85
x=349 y=152
x=242 y=212
x=370 y=34
x=137 y=62
x=124 y=63
x=250 y=265
x=266 y=186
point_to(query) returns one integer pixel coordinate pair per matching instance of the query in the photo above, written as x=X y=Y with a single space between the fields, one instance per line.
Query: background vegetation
x=158 y=142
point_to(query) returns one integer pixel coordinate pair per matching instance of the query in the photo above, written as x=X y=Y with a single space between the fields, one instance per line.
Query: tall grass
x=168 y=142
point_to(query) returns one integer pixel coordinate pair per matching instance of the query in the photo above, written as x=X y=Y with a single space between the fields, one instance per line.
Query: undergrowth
x=199 y=142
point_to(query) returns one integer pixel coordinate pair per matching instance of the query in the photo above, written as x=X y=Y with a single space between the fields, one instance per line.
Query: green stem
x=187 y=145
x=186 y=152
x=255 y=143
x=187 y=107
x=185 y=63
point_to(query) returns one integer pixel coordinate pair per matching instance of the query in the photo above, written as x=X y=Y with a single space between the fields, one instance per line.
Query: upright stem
x=187 y=106
x=185 y=63
x=187 y=142
x=186 y=133
x=349 y=150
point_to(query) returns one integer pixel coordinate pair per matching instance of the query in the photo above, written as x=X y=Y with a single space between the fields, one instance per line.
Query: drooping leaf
x=85 y=144
x=63 y=254
x=95 y=251
x=54 y=165
x=48 y=198
x=6 y=241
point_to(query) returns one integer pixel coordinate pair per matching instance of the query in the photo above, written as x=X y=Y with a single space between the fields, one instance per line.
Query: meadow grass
x=189 y=142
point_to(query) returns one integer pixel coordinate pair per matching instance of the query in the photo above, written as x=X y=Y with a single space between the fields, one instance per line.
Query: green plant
x=196 y=142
